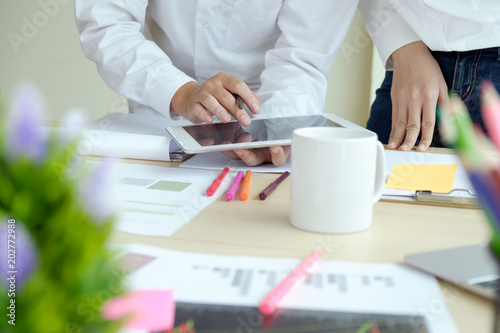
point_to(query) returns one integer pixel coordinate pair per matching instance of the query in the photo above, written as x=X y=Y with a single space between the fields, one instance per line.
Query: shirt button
x=203 y=21
x=202 y=64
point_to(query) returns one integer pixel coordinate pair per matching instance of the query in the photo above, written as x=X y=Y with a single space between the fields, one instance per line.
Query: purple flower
x=96 y=192
x=18 y=254
x=72 y=126
x=25 y=135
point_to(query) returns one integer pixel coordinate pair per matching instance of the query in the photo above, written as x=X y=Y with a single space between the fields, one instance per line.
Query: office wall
x=349 y=78
x=39 y=43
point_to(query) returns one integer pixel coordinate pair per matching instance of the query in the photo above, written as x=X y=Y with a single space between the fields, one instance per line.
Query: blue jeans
x=463 y=73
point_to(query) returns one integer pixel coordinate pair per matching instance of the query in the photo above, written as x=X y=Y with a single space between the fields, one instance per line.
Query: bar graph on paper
x=157 y=197
x=242 y=279
x=158 y=201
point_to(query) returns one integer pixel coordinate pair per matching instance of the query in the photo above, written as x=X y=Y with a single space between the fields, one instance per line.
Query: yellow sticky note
x=437 y=178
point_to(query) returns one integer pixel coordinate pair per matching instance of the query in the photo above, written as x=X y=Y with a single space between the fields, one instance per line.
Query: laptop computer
x=472 y=267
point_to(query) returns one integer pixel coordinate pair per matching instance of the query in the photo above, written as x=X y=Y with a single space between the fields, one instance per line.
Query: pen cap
x=337 y=176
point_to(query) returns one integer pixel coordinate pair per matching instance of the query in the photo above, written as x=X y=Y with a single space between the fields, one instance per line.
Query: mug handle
x=379 y=173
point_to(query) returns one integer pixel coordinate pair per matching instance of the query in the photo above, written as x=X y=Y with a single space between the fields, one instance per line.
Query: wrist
x=408 y=50
x=181 y=97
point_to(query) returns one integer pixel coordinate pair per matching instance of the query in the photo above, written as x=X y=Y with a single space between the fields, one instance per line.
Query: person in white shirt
x=429 y=47
x=193 y=58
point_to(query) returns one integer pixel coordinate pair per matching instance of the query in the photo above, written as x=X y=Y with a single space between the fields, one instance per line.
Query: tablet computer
x=261 y=132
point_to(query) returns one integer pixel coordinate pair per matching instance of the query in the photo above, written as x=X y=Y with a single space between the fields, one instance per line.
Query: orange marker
x=246 y=186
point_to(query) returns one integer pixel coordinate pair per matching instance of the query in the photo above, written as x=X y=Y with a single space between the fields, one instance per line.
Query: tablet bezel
x=189 y=145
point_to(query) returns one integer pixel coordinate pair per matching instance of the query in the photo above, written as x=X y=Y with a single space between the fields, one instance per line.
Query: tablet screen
x=259 y=130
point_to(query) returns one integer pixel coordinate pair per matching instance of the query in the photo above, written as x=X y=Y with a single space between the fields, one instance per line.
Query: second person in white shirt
x=430 y=47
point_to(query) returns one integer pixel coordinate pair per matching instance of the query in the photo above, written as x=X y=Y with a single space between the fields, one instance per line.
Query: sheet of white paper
x=218 y=161
x=348 y=287
x=123 y=135
x=157 y=201
x=402 y=157
x=129 y=145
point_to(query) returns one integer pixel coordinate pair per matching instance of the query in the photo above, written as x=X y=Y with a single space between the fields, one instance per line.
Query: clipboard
x=469 y=200
x=461 y=196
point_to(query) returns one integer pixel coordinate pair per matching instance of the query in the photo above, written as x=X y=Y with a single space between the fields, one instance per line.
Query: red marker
x=215 y=185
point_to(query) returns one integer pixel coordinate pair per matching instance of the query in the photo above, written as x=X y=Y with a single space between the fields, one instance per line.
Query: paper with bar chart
x=336 y=297
x=157 y=201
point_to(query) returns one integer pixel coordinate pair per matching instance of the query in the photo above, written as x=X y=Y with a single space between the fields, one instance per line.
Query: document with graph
x=221 y=293
x=157 y=201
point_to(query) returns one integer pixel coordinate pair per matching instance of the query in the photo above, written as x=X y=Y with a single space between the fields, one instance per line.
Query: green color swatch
x=165 y=185
x=135 y=181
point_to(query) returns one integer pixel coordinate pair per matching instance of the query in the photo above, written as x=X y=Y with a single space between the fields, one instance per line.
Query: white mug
x=337 y=175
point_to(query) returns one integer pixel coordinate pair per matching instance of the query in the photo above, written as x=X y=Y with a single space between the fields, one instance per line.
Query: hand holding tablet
x=260 y=133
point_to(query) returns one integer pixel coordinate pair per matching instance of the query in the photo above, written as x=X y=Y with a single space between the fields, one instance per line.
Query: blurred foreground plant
x=54 y=265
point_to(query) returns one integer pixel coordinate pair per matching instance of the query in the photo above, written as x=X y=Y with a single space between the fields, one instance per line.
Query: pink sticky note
x=152 y=310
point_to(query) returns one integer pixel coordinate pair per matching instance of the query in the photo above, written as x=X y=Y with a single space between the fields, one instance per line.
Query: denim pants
x=463 y=73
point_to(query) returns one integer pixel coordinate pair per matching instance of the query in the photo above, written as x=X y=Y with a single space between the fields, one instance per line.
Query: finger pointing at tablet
x=275 y=155
x=217 y=96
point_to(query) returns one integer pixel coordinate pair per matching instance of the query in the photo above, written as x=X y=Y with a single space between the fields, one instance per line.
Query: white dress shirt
x=443 y=25
x=146 y=50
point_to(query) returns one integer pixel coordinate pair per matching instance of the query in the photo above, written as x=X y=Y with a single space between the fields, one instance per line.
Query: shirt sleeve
x=111 y=35
x=294 y=80
x=387 y=28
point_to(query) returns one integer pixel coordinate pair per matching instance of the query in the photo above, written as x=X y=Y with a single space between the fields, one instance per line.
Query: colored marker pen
x=270 y=189
x=215 y=185
x=245 y=191
x=269 y=303
x=234 y=186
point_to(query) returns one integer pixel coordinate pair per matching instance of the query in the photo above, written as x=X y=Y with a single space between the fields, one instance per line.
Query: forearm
x=135 y=67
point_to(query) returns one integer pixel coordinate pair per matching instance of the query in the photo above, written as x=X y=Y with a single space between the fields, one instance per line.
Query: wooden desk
x=261 y=228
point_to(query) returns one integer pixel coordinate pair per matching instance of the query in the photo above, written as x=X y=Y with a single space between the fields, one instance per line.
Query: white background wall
x=39 y=43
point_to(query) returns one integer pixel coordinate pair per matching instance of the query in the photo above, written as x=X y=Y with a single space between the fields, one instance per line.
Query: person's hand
x=217 y=96
x=418 y=86
x=219 y=134
x=256 y=156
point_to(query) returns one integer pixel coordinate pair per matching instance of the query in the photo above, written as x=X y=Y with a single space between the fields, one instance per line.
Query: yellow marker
x=246 y=186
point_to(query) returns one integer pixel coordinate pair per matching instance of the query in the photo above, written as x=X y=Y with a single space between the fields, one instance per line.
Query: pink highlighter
x=234 y=186
x=269 y=303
